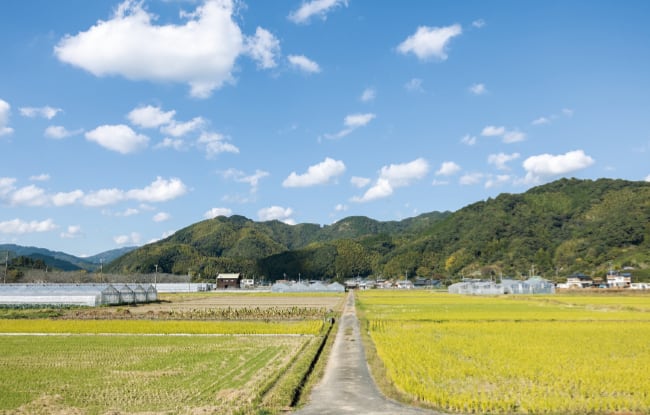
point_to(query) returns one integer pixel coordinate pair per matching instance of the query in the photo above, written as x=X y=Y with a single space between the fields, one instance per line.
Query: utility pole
x=155 y=277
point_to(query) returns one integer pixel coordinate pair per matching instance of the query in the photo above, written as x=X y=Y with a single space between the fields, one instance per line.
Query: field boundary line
x=163 y=334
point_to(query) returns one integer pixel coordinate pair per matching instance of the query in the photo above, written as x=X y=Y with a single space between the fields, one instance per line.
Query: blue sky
x=122 y=122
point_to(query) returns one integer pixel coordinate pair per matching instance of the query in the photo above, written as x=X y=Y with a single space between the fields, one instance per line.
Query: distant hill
x=566 y=226
x=61 y=260
x=109 y=256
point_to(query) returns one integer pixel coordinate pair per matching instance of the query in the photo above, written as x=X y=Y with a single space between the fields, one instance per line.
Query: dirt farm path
x=347 y=387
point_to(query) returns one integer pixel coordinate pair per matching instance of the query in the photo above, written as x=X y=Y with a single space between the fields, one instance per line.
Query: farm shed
x=228 y=281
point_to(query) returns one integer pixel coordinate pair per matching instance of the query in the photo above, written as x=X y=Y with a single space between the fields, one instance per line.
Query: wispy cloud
x=507 y=136
x=414 y=85
x=303 y=63
x=351 y=123
x=468 y=139
x=312 y=8
x=252 y=179
x=500 y=160
x=478 y=89
x=58 y=132
x=43 y=112
x=368 y=94
x=478 y=23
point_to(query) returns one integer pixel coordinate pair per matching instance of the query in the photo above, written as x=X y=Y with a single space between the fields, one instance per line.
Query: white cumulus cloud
x=548 y=165
x=103 y=197
x=312 y=8
x=201 y=52
x=150 y=117
x=320 y=173
x=492 y=131
x=73 y=231
x=29 y=196
x=5 y=109
x=120 y=138
x=67 y=198
x=428 y=42
x=394 y=176
x=448 y=168
x=303 y=63
x=276 y=213
x=19 y=226
x=215 y=211
x=160 y=190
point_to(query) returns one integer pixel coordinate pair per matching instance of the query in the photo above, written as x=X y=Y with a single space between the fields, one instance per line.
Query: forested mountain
x=562 y=227
x=60 y=260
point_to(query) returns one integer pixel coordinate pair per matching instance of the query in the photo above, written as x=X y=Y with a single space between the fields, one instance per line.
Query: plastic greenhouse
x=90 y=295
x=533 y=285
x=303 y=287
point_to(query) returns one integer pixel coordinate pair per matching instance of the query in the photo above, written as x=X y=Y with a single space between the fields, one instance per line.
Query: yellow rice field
x=514 y=355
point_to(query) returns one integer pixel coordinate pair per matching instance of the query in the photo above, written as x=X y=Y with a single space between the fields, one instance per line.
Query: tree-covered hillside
x=562 y=227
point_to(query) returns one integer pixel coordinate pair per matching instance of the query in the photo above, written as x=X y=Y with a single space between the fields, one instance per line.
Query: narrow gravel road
x=346 y=387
